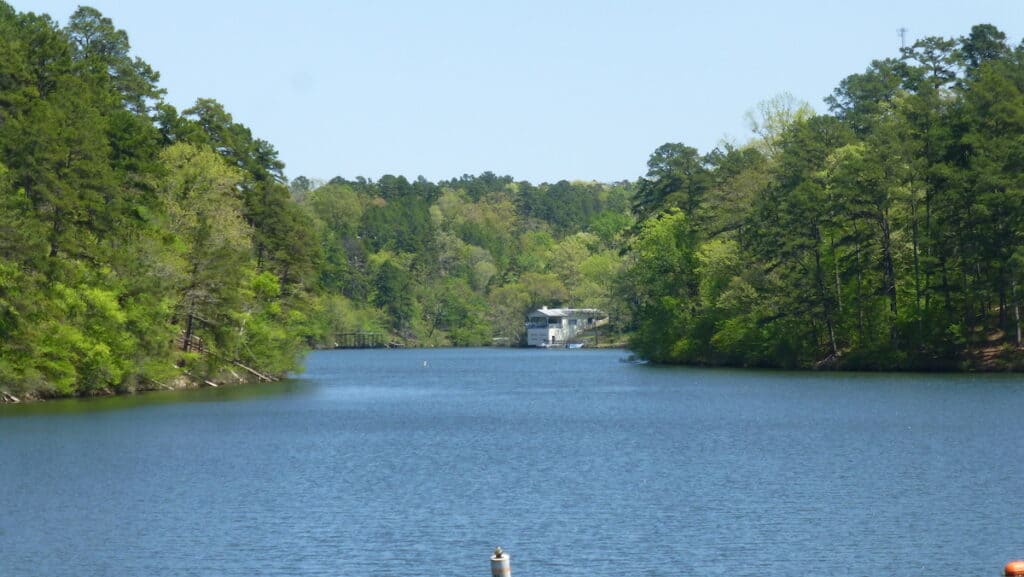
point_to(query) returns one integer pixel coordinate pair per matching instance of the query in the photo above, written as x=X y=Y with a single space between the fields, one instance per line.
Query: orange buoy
x=1014 y=569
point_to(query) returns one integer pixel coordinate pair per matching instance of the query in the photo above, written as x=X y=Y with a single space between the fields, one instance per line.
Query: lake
x=420 y=462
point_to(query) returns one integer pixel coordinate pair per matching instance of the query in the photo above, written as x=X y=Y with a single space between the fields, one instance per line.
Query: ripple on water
x=375 y=463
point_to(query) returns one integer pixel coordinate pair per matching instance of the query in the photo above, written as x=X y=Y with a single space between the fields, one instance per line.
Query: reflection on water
x=420 y=462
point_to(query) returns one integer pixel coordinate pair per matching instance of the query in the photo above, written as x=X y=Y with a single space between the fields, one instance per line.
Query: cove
x=420 y=462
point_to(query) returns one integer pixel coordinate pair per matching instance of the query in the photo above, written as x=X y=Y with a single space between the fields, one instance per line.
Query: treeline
x=461 y=262
x=886 y=234
x=138 y=245
x=141 y=247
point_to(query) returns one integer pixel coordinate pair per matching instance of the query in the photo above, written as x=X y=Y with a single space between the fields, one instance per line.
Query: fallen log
x=159 y=384
x=255 y=373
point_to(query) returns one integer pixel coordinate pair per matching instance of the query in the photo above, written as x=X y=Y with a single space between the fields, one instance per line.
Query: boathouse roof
x=571 y=313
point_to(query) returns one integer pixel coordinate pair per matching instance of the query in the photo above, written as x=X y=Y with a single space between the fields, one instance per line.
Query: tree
x=393 y=291
x=985 y=43
x=677 y=177
x=663 y=284
x=103 y=50
x=566 y=259
x=860 y=97
x=995 y=109
x=937 y=62
x=204 y=212
x=770 y=119
x=338 y=209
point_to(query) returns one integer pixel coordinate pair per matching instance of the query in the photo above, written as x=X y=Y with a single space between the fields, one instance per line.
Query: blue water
x=376 y=463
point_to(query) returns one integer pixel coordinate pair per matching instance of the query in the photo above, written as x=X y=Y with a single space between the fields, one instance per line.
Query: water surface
x=419 y=462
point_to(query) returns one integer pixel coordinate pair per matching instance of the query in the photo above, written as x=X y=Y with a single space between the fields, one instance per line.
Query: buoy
x=501 y=565
x=1014 y=569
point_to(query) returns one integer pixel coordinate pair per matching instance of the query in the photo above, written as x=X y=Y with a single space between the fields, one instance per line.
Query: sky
x=542 y=90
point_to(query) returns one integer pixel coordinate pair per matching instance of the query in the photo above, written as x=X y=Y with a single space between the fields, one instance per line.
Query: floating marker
x=501 y=565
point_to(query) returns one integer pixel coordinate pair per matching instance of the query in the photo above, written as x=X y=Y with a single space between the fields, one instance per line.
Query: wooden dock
x=360 y=340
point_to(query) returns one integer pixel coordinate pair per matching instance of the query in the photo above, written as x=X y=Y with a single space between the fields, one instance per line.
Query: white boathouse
x=556 y=327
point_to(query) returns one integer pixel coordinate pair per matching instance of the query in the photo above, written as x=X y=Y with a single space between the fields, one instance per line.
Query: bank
x=236 y=374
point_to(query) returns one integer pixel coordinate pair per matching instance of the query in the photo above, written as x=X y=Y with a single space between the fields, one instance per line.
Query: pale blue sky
x=540 y=90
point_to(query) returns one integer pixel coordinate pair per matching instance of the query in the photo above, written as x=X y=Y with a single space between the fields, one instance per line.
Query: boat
x=574 y=345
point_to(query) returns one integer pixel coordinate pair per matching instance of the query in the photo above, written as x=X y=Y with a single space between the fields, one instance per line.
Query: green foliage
x=882 y=236
x=677 y=177
x=138 y=243
x=609 y=226
x=454 y=308
x=125 y=235
x=663 y=284
x=566 y=206
x=463 y=261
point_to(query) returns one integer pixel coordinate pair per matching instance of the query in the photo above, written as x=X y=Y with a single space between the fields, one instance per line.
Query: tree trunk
x=820 y=278
x=888 y=273
x=888 y=267
x=917 y=272
x=835 y=267
x=187 y=345
x=1016 y=310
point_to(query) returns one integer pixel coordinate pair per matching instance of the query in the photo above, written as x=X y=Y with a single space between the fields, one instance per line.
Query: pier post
x=501 y=564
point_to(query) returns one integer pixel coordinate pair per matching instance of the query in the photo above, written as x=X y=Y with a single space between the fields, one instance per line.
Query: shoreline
x=977 y=362
x=183 y=382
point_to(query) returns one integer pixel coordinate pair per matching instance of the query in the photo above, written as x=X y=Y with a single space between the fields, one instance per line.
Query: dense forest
x=145 y=247
x=461 y=262
x=138 y=245
x=886 y=234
